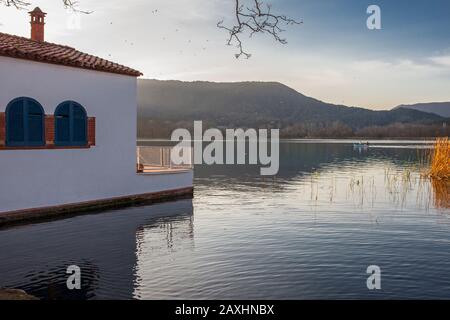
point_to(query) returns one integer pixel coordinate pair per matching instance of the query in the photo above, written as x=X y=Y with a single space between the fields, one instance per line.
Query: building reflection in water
x=35 y=257
x=157 y=245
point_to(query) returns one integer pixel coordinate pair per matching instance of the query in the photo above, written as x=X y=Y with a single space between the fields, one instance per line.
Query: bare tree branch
x=21 y=4
x=257 y=18
x=18 y=4
x=73 y=5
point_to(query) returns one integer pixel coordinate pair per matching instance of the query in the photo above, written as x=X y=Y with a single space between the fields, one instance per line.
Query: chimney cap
x=37 y=11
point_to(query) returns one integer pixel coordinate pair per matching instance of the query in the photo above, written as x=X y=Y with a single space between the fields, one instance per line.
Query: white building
x=68 y=132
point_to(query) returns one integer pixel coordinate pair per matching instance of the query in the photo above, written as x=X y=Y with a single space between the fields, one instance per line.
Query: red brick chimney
x=37 y=24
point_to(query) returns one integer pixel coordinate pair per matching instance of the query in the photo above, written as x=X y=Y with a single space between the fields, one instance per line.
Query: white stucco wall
x=40 y=178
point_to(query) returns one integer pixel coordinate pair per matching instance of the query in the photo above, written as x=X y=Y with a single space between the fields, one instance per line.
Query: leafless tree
x=256 y=18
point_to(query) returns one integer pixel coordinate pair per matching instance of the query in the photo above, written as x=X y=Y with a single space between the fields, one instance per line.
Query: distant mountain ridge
x=440 y=108
x=255 y=104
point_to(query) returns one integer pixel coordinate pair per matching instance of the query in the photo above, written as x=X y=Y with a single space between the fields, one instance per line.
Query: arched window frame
x=26 y=141
x=72 y=141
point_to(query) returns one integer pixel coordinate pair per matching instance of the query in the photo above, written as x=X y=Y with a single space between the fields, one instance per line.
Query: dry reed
x=440 y=160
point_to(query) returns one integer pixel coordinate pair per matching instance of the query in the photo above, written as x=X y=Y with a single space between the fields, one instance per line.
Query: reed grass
x=440 y=160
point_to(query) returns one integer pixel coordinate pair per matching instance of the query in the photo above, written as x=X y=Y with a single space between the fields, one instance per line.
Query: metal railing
x=159 y=158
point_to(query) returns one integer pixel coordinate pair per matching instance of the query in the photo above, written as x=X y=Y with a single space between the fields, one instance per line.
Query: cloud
x=371 y=65
x=441 y=60
x=378 y=83
x=424 y=67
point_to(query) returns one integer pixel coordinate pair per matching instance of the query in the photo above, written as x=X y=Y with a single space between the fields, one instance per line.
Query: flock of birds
x=164 y=38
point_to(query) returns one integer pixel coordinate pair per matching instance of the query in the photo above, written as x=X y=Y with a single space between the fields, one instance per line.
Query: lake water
x=311 y=232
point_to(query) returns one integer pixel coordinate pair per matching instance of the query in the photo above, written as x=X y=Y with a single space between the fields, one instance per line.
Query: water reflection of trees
x=299 y=160
x=316 y=173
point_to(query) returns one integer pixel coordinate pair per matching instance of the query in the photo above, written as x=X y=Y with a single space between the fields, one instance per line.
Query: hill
x=440 y=108
x=167 y=104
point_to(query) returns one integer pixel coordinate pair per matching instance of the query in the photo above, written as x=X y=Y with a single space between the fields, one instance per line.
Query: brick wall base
x=68 y=210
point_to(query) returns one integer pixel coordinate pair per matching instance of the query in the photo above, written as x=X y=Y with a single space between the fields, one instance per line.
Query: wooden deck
x=157 y=160
x=163 y=170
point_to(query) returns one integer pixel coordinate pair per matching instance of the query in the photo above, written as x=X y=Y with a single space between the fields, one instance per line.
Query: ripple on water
x=308 y=233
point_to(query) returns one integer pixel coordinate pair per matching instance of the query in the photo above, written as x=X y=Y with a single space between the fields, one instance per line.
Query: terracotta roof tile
x=24 y=48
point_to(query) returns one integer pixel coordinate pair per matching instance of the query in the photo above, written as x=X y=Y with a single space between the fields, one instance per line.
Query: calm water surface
x=308 y=233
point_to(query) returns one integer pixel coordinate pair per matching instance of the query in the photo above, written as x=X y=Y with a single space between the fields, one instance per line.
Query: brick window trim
x=49 y=132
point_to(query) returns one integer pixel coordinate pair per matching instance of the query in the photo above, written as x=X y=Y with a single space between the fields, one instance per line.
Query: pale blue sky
x=332 y=56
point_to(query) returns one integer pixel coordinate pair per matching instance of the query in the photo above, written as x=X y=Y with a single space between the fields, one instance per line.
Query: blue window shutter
x=24 y=123
x=62 y=124
x=70 y=124
x=79 y=124
x=15 y=127
x=35 y=123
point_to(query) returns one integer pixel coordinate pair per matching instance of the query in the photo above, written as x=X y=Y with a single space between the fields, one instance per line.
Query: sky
x=332 y=56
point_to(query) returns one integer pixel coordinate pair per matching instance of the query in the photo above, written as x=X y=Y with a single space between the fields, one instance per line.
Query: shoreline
x=15 y=294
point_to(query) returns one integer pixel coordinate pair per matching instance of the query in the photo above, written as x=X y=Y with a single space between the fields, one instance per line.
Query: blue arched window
x=70 y=124
x=24 y=123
